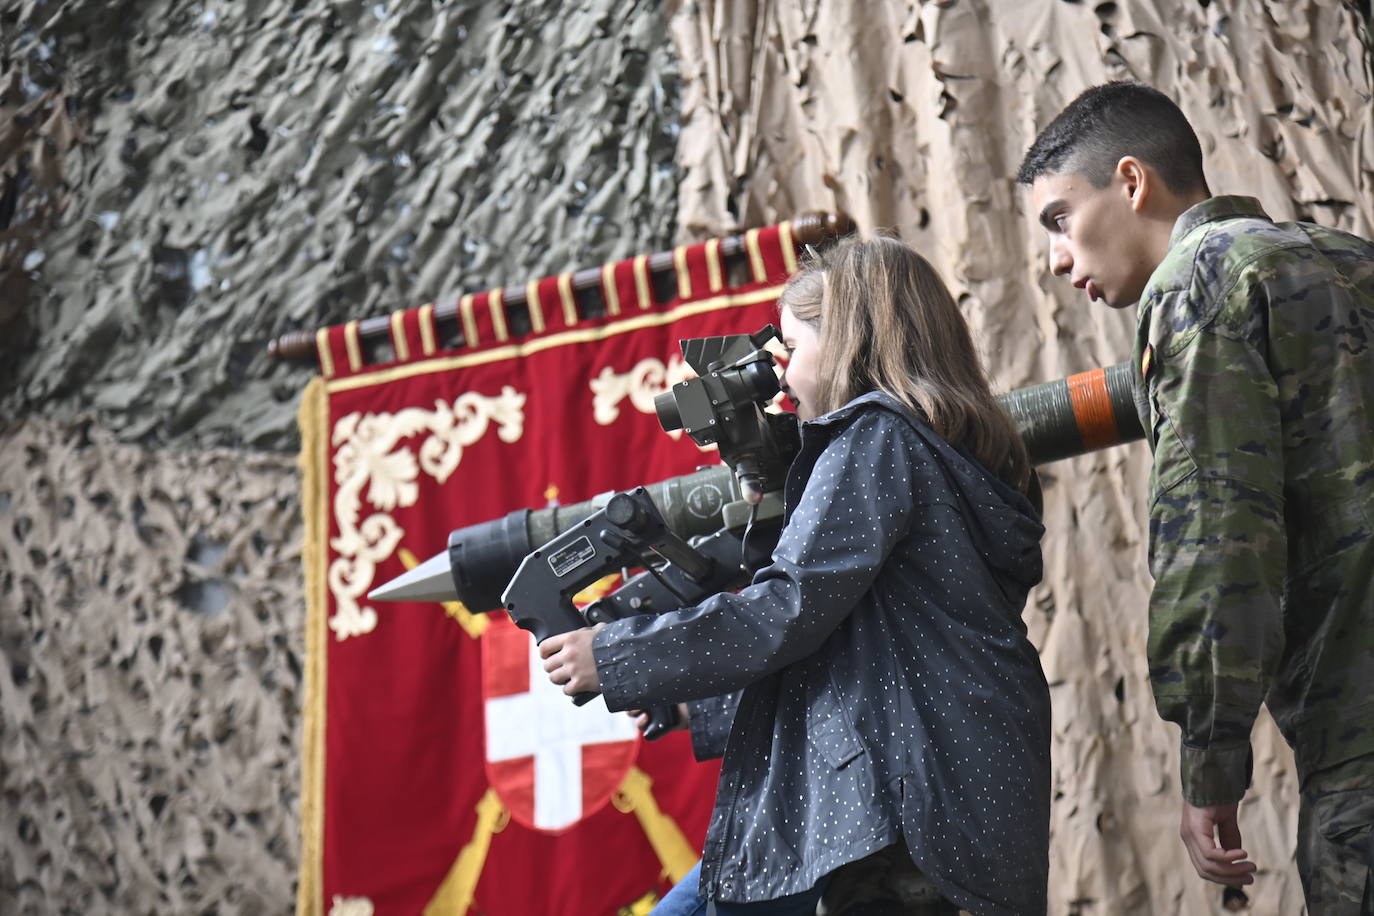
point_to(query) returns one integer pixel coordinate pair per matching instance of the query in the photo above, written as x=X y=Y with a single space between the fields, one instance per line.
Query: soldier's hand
x=1212 y=837
x=569 y=662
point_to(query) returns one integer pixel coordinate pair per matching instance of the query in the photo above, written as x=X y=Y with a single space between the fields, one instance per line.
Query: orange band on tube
x=1092 y=409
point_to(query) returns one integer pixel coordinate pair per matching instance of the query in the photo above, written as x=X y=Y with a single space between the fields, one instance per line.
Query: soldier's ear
x=1137 y=181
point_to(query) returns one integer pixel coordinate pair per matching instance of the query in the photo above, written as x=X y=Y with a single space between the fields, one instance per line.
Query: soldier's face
x=1097 y=237
x=803 y=359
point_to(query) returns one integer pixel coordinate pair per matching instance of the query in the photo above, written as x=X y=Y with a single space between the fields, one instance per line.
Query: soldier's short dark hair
x=1113 y=120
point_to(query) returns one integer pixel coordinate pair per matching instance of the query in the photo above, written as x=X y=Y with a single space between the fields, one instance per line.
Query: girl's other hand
x=641 y=718
x=569 y=662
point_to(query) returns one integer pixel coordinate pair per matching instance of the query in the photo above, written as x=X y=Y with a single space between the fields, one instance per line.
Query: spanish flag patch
x=1147 y=361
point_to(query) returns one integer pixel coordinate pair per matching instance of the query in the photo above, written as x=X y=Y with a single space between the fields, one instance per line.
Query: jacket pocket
x=1345 y=818
x=836 y=741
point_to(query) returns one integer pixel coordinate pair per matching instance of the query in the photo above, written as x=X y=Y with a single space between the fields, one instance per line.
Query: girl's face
x=803 y=362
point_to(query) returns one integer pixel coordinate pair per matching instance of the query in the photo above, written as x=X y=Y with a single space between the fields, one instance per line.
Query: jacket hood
x=1004 y=524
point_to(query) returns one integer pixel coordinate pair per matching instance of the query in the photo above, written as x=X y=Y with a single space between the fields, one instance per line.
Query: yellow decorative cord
x=684 y=277
x=635 y=796
x=398 y=336
x=641 y=907
x=565 y=296
x=751 y=243
x=642 y=291
x=454 y=895
x=322 y=350
x=535 y=307
x=353 y=343
x=465 y=307
x=789 y=247
x=427 y=328
x=496 y=303
x=714 y=270
x=608 y=289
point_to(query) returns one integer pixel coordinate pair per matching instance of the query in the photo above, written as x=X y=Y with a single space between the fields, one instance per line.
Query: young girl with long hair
x=873 y=691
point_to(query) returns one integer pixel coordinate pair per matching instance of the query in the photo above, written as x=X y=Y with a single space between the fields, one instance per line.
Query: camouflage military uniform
x=1256 y=351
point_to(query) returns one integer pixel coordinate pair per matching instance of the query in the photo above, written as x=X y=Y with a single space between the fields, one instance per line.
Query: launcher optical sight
x=724 y=406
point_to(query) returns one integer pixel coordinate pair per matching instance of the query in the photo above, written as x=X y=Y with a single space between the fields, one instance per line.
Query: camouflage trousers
x=1335 y=840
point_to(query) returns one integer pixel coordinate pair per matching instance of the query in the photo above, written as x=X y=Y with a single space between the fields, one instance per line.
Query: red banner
x=442 y=772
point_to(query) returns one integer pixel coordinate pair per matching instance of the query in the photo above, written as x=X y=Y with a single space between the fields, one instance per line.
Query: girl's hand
x=641 y=718
x=569 y=662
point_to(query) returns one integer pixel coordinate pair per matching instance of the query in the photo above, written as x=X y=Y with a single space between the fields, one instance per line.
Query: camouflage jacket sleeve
x=1217 y=538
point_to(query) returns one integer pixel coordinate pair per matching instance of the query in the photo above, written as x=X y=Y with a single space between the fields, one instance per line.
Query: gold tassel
x=454 y=895
x=636 y=796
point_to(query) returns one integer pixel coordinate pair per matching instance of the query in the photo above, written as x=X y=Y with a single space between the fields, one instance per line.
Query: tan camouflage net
x=150 y=615
x=914 y=116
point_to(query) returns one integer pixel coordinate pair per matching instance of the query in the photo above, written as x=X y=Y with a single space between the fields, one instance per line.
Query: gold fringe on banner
x=465 y=307
x=398 y=336
x=642 y=290
x=788 y=244
x=536 y=308
x=322 y=349
x=549 y=341
x=751 y=243
x=565 y=296
x=427 y=328
x=715 y=266
x=353 y=342
x=608 y=289
x=496 y=304
x=313 y=419
x=684 y=278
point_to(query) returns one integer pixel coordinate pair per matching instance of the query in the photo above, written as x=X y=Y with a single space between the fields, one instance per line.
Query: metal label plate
x=567 y=559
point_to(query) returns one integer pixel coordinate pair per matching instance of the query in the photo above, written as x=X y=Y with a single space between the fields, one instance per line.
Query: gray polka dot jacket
x=875 y=681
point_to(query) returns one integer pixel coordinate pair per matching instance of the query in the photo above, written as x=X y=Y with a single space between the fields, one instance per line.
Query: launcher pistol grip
x=539 y=596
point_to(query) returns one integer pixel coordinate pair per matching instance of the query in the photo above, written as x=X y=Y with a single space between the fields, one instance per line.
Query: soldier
x=1256 y=391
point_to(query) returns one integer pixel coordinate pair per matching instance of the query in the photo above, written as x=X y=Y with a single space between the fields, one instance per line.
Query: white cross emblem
x=544 y=724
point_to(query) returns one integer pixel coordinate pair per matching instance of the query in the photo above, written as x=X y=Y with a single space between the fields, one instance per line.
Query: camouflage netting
x=150 y=696
x=252 y=167
x=914 y=116
x=180 y=182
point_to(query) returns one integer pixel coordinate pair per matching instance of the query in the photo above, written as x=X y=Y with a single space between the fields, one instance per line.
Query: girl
x=876 y=685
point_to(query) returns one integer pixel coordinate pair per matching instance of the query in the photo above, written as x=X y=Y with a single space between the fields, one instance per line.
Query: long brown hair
x=886 y=322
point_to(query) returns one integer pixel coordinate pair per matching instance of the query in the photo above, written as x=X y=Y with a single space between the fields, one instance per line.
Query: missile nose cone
x=432 y=580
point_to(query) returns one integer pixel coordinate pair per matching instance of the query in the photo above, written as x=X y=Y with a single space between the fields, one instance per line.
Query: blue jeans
x=683 y=900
